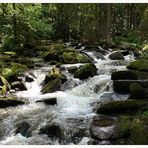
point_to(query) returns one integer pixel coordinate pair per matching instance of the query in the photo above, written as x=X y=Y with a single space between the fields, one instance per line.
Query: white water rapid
x=73 y=112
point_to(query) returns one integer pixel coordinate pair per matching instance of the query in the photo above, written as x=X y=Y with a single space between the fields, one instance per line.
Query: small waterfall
x=74 y=110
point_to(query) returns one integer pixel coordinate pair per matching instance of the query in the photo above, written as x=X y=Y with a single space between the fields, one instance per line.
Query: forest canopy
x=110 y=23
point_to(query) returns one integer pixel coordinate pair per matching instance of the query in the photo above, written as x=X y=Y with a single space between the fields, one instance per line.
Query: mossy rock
x=4 y=84
x=13 y=71
x=116 y=56
x=122 y=86
x=72 y=69
x=137 y=91
x=26 y=61
x=140 y=65
x=51 y=56
x=70 y=49
x=124 y=75
x=121 y=107
x=54 y=74
x=52 y=86
x=88 y=70
x=72 y=58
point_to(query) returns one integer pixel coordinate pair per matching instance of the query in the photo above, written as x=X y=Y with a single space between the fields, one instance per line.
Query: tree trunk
x=15 y=25
x=108 y=35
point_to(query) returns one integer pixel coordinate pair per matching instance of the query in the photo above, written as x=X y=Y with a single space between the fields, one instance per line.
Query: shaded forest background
x=22 y=24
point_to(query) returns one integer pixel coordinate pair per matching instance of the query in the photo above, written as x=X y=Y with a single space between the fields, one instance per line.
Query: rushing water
x=74 y=109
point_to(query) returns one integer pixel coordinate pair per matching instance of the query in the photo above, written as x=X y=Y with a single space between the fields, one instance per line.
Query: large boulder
x=73 y=57
x=122 y=86
x=140 y=65
x=52 y=86
x=85 y=71
x=13 y=71
x=25 y=61
x=51 y=56
x=121 y=107
x=10 y=101
x=72 y=69
x=55 y=73
x=116 y=56
x=137 y=92
x=124 y=75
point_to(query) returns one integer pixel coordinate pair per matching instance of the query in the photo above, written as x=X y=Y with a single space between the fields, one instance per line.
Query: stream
x=75 y=107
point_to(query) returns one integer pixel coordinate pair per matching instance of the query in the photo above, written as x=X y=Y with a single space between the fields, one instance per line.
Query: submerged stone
x=24 y=129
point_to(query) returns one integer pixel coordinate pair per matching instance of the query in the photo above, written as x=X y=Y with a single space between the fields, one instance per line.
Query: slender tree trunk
x=108 y=35
x=15 y=25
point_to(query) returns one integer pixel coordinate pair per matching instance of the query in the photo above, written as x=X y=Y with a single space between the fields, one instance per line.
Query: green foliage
x=133 y=128
x=131 y=37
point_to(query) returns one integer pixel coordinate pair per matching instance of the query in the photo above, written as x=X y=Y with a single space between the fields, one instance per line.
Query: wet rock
x=116 y=56
x=25 y=61
x=50 y=101
x=95 y=47
x=23 y=129
x=29 y=79
x=124 y=75
x=103 y=128
x=53 y=131
x=68 y=85
x=5 y=86
x=122 y=86
x=99 y=55
x=10 y=102
x=88 y=70
x=54 y=74
x=137 y=91
x=125 y=52
x=136 y=53
x=121 y=107
x=18 y=85
x=103 y=121
x=92 y=142
x=72 y=69
x=51 y=56
x=140 y=65
x=77 y=137
x=52 y=86
x=13 y=71
x=73 y=58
